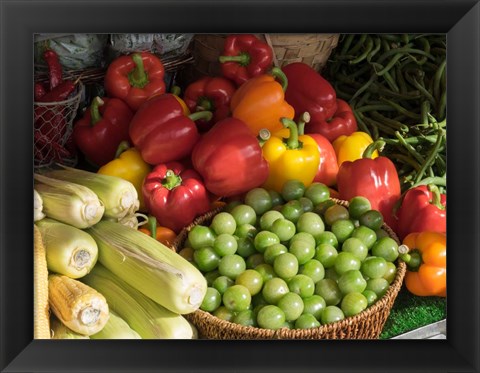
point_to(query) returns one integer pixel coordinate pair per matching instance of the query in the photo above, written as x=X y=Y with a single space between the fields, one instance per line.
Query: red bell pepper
x=328 y=166
x=135 y=78
x=375 y=179
x=229 y=158
x=308 y=91
x=212 y=94
x=423 y=209
x=245 y=56
x=102 y=128
x=163 y=131
x=175 y=195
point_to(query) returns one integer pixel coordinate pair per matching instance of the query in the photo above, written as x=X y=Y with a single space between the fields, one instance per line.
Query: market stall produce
x=268 y=197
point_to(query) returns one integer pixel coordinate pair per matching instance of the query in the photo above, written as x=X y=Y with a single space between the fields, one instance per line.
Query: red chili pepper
x=55 y=70
x=423 y=209
x=47 y=150
x=162 y=131
x=175 y=195
x=60 y=92
x=212 y=94
x=135 y=78
x=229 y=158
x=103 y=127
x=245 y=56
x=39 y=91
x=375 y=179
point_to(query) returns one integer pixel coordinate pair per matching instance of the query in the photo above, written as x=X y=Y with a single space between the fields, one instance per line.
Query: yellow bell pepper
x=290 y=156
x=128 y=165
x=351 y=148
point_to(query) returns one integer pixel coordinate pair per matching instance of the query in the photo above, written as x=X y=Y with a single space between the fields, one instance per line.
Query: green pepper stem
x=204 y=104
x=436 y=197
x=376 y=145
x=207 y=115
x=243 y=59
x=304 y=119
x=280 y=75
x=95 y=112
x=263 y=135
x=123 y=146
x=412 y=258
x=176 y=90
x=152 y=226
x=171 y=180
x=292 y=141
x=138 y=76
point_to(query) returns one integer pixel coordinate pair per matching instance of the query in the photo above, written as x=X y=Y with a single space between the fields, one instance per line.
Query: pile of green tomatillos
x=293 y=259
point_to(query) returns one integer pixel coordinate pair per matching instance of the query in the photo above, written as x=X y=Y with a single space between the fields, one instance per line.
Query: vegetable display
x=271 y=195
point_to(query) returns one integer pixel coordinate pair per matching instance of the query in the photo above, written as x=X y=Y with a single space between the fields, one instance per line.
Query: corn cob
x=41 y=313
x=37 y=206
x=60 y=331
x=146 y=317
x=78 y=306
x=149 y=266
x=70 y=251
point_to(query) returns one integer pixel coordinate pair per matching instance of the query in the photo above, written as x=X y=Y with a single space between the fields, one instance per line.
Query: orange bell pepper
x=162 y=234
x=260 y=102
x=426 y=256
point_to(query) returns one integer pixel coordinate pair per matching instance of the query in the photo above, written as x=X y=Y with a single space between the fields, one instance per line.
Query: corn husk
x=70 y=251
x=149 y=266
x=60 y=331
x=41 y=309
x=118 y=195
x=69 y=203
x=116 y=328
x=146 y=317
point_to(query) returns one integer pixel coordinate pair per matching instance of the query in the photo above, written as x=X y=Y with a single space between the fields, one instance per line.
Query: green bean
x=431 y=157
x=401 y=109
x=421 y=88
x=390 y=122
x=374 y=51
x=390 y=64
x=406 y=159
x=382 y=107
x=361 y=124
x=359 y=72
x=424 y=110
x=437 y=79
x=364 y=99
x=379 y=126
x=359 y=44
x=346 y=44
x=365 y=86
x=368 y=49
x=391 y=82
x=410 y=148
x=405 y=50
x=442 y=105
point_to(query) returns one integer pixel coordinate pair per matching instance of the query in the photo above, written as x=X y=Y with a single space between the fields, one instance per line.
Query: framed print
x=459 y=21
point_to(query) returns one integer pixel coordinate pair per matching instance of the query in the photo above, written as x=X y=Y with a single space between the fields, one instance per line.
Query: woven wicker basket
x=368 y=324
x=312 y=49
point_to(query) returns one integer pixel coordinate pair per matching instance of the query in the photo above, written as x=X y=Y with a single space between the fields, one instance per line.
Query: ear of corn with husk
x=70 y=251
x=150 y=267
x=37 y=206
x=60 y=331
x=78 y=306
x=116 y=328
x=118 y=195
x=67 y=202
x=146 y=317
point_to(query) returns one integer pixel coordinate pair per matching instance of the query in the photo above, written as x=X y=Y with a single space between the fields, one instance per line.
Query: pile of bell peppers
x=255 y=125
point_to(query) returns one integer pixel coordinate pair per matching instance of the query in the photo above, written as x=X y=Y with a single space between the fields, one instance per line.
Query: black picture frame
x=459 y=19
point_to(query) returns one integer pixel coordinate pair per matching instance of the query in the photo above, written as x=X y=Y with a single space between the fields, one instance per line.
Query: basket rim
x=377 y=307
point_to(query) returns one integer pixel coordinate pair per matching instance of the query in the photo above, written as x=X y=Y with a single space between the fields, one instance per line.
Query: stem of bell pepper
x=205 y=104
x=413 y=259
x=280 y=75
x=152 y=226
x=95 y=112
x=123 y=146
x=376 y=145
x=292 y=141
x=138 y=77
x=176 y=90
x=436 y=198
x=207 y=115
x=263 y=136
x=305 y=118
x=243 y=59
x=171 y=180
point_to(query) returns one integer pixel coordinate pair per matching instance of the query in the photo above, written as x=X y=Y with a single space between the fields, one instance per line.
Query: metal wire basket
x=53 y=127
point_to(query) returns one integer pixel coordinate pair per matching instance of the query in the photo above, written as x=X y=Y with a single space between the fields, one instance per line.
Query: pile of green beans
x=396 y=86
